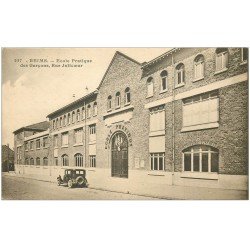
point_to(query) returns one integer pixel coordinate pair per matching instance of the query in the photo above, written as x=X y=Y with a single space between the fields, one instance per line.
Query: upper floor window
x=109 y=104
x=201 y=158
x=26 y=145
x=45 y=161
x=54 y=124
x=37 y=161
x=73 y=117
x=92 y=129
x=78 y=160
x=83 y=113
x=92 y=132
x=65 y=160
x=164 y=80
x=45 y=142
x=57 y=123
x=244 y=54
x=78 y=116
x=65 y=139
x=201 y=109
x=221 y=59
x=199 y=67
x=31 y=145
x=127 y=96
x=55 y=140
x=95 y=109
x=68 y=118
x=64 y=120
x=118 y=100
x=180 y=74
x=78 y=136
x=157 y=119
x=150 y=85
x=89 y=111
x=38 y=144
x=60 y=121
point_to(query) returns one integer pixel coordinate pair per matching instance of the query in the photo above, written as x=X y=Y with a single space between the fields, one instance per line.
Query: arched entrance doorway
x=119 y=155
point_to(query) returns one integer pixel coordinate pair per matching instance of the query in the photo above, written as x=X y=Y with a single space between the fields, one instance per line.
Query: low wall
x=151 y=183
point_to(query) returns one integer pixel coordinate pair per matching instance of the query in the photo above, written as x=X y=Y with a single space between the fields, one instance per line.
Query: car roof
x=74 y=169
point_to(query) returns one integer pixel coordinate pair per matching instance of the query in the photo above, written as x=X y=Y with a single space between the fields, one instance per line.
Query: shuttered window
x=221 y=59
x=78 y=136
x=157 y=119
x=65 y=139
x=202 y=109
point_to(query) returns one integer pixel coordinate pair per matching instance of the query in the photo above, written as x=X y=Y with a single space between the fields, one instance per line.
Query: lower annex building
x=179 y=119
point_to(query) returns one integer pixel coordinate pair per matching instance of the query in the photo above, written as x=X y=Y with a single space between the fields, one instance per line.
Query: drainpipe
x=85 y=134
x=173 y=120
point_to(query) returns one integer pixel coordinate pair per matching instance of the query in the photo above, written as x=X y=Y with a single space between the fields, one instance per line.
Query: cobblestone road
x=16 y=188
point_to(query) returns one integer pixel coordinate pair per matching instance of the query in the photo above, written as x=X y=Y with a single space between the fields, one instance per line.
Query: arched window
x=37 y=161
x=150 y=85
x=57 y=123
x=78 y=160
x=201 y=158
x=64 y=120
x=118 y=100
x=65 y=160
x=89 y=111
x=199 y=67
x=31 y=161
x=60 y=121
x=127 y=96
x=78 y=115
x=221 y=59
x=73 y=117
x=45 y=161
x=68 y=118
x=54 y=124
x=83 y=113
x=164 y=80
x=109 y=104
x=95 y=109
x=180 y=74
x=27 y=161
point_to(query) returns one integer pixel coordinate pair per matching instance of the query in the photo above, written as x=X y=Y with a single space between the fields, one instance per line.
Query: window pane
x=160 y=163
x=214 y=162
x=152 y=163
x=245 y=54
x=187 y=162
x=196 y=162
x=155 y=163
x=205 y=162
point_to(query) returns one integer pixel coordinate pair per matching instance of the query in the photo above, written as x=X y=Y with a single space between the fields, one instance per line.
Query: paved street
x=16 y=188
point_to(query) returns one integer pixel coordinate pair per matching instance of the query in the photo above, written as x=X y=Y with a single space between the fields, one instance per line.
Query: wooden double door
x=119 y=155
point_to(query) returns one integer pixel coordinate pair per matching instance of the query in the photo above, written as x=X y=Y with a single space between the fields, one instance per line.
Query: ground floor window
x=65 y=160
x=92 y=159
x=201 y=158
x=45 y=161
x=157 y=161
x=37 y=161
x=26 y=161
x=79 y=160
x=31 y=161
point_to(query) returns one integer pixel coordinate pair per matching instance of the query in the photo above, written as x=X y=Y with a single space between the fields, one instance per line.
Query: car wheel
x=80 y=181
x=70 y=183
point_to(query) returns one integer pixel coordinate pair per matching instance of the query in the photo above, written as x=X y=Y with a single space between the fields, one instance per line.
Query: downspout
x=85 y=134
x=173 y=120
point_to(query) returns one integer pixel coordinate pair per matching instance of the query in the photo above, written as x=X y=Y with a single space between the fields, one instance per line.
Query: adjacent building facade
x=179 y=119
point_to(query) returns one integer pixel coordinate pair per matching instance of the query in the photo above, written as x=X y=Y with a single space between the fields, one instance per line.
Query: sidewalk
x=168 y=192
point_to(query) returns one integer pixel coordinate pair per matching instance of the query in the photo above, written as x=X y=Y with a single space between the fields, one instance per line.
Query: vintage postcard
x=124 y=123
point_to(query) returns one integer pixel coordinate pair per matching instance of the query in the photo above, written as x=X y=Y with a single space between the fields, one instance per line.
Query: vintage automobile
x=73 y=177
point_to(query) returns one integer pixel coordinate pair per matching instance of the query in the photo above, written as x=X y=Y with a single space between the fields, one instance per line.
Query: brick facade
x=230 y=137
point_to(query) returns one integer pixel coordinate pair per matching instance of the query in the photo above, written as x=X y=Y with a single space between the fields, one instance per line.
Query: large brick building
x=179 y=119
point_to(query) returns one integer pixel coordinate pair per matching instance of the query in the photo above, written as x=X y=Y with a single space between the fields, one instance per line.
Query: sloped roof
x=116 y=53
x=73 y=103
x=40 y=126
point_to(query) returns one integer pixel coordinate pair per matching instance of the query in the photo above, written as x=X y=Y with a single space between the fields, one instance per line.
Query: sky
x=29 y=94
